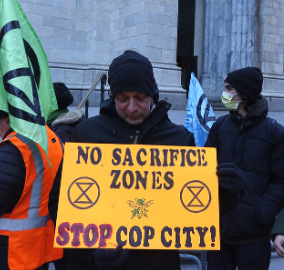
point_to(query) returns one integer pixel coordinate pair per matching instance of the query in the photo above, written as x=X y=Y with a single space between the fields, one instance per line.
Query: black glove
x=107 y=259
x=231 y=185
x=231 y=178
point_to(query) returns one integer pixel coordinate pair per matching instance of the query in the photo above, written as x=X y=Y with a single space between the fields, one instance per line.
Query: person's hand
x=231 y=178
x=107 y=259
x=279 y=245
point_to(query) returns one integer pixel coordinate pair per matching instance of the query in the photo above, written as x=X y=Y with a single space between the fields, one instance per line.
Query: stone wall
x=81 y=38
x=270 y=50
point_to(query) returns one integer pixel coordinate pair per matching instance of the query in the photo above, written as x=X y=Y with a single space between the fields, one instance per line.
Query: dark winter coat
x=12 y=182
x=256 y=148
x=65 y=124
x=157 y=129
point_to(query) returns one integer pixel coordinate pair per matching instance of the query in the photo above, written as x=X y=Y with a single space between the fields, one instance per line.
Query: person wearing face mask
x=250 y=148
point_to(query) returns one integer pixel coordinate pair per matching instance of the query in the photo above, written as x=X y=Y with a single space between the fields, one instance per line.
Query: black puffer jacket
x=108 y=127
x=245 y=142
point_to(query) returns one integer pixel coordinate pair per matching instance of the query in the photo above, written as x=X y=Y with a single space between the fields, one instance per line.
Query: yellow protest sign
x=138 y=196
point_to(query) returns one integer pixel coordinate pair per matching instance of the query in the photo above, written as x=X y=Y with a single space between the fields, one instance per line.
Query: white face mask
x=228 y=102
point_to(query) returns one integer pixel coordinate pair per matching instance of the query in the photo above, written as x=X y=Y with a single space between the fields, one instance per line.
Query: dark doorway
x=185 y=41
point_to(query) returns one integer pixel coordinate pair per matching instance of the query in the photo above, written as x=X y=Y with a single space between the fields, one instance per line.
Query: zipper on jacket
x=242 y=123
x=136 y=136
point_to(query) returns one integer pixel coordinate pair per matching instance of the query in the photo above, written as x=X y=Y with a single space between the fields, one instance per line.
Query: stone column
x=270 y=51
x=228 y=41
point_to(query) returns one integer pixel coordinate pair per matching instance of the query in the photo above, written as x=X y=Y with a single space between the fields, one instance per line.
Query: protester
x=63 y=121
x=29 y=191
x=133 y=115
x=250 y=148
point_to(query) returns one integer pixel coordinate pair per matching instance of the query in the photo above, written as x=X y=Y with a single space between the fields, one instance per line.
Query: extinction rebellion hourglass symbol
x=83 y=193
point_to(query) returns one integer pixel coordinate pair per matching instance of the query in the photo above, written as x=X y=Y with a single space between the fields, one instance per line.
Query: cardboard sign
x=138 y=196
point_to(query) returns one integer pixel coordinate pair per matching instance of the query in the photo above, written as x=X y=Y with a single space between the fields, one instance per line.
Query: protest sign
x=138 y=196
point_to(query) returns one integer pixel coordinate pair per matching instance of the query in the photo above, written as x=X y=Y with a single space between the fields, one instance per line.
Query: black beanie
x=247 y=81
x=132 y=71
x=63 y=96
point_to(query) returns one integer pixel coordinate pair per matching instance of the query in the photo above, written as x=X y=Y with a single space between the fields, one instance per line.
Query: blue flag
x=199 y=116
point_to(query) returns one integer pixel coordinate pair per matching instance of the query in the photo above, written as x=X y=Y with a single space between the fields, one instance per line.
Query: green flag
x=26 y=90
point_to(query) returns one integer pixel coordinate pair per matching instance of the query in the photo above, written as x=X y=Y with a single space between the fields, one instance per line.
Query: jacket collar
x=157 y=114
x=7 y=133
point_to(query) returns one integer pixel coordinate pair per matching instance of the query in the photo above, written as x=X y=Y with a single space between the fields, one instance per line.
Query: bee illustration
x=139 y=206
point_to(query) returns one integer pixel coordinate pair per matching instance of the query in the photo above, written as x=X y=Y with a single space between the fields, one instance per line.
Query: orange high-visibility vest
x=29 y=226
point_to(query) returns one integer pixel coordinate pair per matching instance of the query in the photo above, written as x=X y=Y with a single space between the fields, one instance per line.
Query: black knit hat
x=132 y=71
x=247 y=81
x=63 y=95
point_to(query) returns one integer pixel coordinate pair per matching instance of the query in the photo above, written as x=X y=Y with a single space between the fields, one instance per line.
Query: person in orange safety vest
x=29 y=191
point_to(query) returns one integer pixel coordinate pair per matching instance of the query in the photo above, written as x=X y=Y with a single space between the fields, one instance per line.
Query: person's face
x=231 y=90
x=132 y=106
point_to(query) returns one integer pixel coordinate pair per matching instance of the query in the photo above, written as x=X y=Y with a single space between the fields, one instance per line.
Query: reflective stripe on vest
x=33 y=221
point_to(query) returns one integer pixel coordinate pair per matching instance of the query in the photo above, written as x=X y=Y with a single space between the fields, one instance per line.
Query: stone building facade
x=81 y=37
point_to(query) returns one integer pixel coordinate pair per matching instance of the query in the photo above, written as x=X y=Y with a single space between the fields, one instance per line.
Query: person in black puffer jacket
x=133 y=115
x=250 y=147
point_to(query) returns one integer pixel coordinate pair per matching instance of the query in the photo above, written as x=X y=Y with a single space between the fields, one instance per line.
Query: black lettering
x=76 y=229
x=177 y=231
x=188 y=230
x=63 y=238
x=105 y=233
x=118 y=235
x=132 y=241
x=128 y=158
x=142 y=180
x=202 y=235
x=155 y=156
x=213 y=235
x=169 y=180
x=131 y=179
x=139 y=161
x=82 y=154
x=173 y=154
x=199 y=157
x=165 y=154
x=182 y=151
x=156 y=180
x=203 y=157
x=189 y=162
x=99 y=155
x=95 y=235
x=116 y=157
x=163 y=238
x=114 y=180
x=149 y=234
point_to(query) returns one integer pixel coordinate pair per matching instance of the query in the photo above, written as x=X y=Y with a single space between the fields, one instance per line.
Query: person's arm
x=230 y=177
x=54 y=195
x=279 y=244
x=272 y=201
x=12 y=177
x=277 y=234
